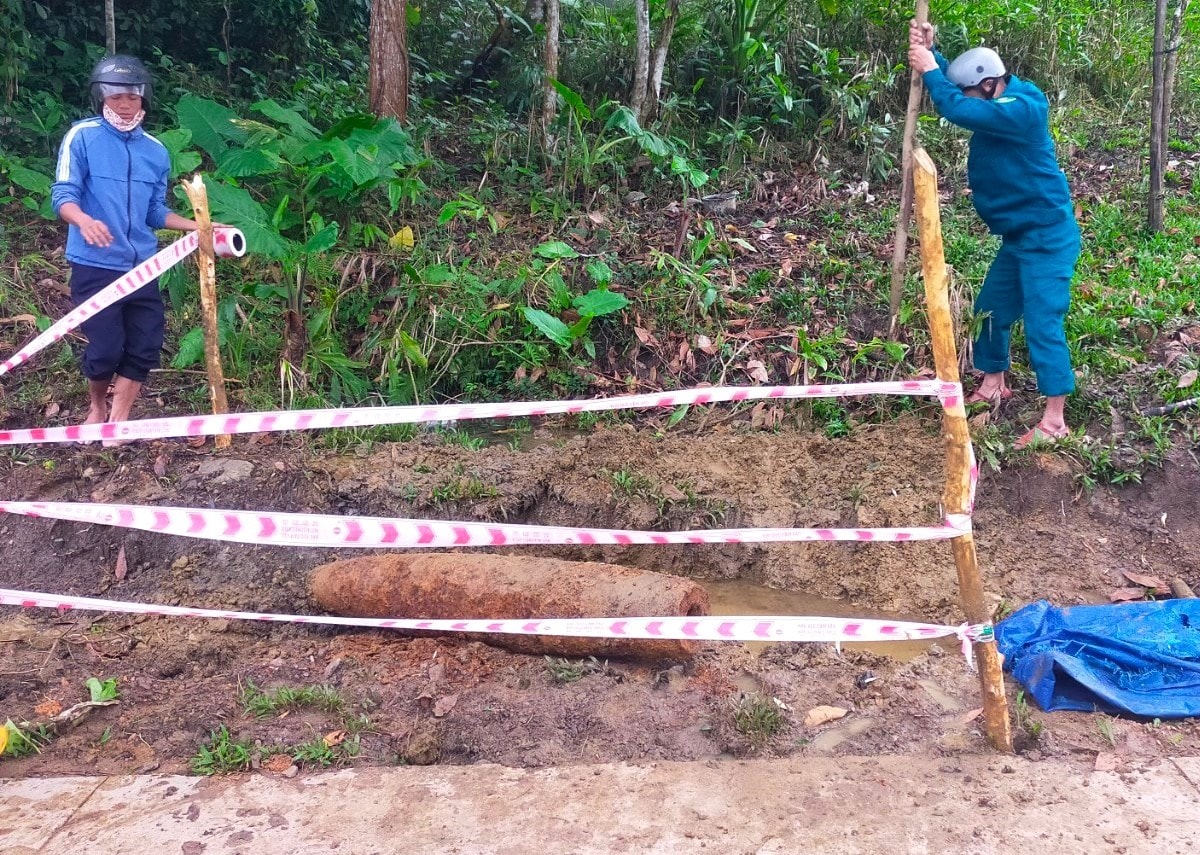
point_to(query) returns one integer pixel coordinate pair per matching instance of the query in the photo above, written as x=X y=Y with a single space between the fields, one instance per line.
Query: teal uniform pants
x=1030 y=278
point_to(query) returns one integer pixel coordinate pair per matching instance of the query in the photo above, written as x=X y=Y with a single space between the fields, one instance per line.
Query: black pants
x=127 y=337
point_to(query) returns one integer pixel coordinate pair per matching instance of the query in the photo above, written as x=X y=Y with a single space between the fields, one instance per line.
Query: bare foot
x=97 y=402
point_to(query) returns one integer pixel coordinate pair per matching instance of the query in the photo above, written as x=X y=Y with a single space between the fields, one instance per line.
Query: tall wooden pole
x=900 y=244
x=206 y=261
x=957 y=497
x=1158 y=153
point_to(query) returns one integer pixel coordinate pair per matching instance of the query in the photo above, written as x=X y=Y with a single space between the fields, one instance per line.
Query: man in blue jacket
x=111 y=188
x=1022 y=195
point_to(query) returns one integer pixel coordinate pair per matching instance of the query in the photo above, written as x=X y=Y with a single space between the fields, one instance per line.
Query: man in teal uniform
x=1022 y=195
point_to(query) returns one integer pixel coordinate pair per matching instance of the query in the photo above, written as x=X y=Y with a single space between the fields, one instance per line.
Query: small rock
x=818 y=716
x=333 y=667
x=226 y=471
x=292 y=771
x=180 y=562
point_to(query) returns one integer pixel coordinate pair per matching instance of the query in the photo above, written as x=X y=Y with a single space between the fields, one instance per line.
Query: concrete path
x=813 y=805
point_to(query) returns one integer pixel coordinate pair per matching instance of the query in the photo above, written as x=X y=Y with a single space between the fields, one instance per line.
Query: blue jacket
x=1015 y=179
x=119 y=178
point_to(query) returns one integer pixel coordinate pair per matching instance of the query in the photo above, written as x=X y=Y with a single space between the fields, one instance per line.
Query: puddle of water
x=739 y=597
x=518 y=434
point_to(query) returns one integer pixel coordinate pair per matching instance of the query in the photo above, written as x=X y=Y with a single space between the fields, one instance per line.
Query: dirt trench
x=434 y=700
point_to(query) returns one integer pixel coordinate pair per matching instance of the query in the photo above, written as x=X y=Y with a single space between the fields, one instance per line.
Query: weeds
x=260 y=704
x=102 y=691
x=22 y=742
x=758 y=717
x=1025 y=720
x=570 y=671
x=222 y=754
x=1104 y=727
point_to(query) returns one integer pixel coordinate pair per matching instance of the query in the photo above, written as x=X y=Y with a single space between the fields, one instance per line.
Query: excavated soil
x=435 y=700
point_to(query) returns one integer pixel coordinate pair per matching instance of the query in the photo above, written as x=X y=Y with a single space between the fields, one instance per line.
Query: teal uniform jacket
x=1022 y=195
x=1015 y=179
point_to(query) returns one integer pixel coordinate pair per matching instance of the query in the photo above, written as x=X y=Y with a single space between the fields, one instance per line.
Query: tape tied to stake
x=353 y=417
x=327 y=530
x=227 y=243
x=711 y=628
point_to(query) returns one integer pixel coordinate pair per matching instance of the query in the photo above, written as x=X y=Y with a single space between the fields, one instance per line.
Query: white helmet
x=976 y=65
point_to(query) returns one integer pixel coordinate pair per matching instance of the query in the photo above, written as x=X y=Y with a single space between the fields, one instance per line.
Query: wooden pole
x=1158 y=153
x=206 y=261
x=957 y=498
x=900 y=244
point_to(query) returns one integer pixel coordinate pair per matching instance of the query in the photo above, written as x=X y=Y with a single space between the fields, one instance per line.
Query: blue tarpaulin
x=1138 y=658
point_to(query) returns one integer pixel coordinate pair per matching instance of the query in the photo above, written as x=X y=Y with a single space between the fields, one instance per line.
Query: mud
x=439 y=700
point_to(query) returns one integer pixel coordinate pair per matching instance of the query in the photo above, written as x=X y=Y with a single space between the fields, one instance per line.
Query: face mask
x=110 y=116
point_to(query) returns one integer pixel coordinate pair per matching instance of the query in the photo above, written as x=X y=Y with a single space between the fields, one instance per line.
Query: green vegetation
x=464 y=255
x=572 y=670
x=260 y=704
x=758 y=718
x=1032 y=727
x=222 y=754
x=101 y=691
x=21 y=741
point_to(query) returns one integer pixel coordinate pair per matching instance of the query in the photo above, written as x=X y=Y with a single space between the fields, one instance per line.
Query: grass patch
x=222 y=754
x=572 y=670
x=758 y=718
x=261 y=704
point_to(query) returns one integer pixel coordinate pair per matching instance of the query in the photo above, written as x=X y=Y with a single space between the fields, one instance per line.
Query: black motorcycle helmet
x=121 y=70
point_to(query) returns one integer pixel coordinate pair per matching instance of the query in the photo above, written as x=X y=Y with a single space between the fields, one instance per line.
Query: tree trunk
x=641 y=61
x=1169 y=69
x=659 y=63
x=110 y=27
x=900 y=242
x=1154 y=220
x=389 y=59
x=550 y=61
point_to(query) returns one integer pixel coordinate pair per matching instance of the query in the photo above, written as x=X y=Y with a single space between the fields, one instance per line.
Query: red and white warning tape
x=320 y=530
x=314 y=530
x=283 y=420
x=226 y=243
x=713 y=628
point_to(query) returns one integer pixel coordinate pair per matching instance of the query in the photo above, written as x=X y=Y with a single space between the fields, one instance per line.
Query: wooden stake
x=206 y=261
x=957 y=498
x=900 y=244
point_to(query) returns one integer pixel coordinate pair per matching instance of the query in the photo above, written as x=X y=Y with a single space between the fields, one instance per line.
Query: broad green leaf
x=29 y=179
x=555 y=249
x=191 y=349
x=177 y=142
x=600 y=272
x=322 y=241
x=653 y=144
x=623 y=119
x=296 y=123
x=412 y=351
x=571 y=97
x=579 y=329
x=391 y=141
x=598 y=302
x=551 y=327
x=234 y=206
x=210 y=124
x=449 y=211
x=358 y=164
x=243 y=162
